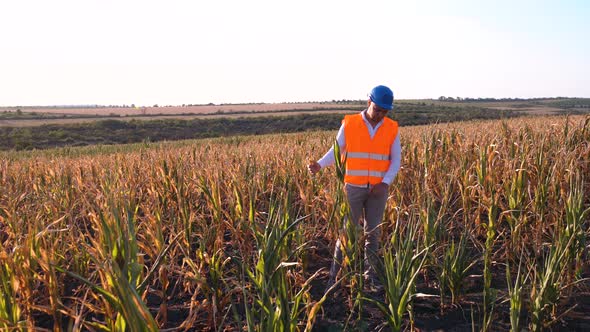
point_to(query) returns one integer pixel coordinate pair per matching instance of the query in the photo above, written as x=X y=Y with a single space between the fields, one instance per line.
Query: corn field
x=485 y=220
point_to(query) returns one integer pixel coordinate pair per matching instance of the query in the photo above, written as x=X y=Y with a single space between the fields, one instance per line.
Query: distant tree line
x=467 y=99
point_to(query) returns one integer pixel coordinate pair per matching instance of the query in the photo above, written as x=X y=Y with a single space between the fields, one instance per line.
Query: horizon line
x=333 y=101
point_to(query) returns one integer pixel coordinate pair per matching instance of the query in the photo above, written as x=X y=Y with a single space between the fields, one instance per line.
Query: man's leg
x=356 y=199
x=375 y=206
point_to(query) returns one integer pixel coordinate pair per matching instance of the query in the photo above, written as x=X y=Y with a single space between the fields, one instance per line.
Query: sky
x=173 y=52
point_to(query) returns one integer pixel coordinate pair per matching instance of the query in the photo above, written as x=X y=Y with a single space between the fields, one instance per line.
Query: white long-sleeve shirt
x=396 y=150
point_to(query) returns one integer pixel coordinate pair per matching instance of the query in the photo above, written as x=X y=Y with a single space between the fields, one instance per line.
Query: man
x=371 y=143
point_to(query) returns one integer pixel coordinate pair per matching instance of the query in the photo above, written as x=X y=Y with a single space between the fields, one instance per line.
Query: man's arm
x=396 y=158
x=328 y=158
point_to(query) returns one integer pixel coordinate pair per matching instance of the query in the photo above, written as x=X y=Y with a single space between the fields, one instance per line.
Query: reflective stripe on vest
x=365 y=173
x=366 y=155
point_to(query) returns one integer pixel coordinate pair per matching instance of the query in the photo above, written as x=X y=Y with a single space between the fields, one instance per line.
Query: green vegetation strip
x=122 y=132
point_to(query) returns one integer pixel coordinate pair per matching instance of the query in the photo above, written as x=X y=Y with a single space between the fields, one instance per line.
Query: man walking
x=373 y=149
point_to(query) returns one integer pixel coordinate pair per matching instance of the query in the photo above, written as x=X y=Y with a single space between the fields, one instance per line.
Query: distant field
x=171 y=116
x=538 y=110
x=37 y=116
x=195 y=109
x=117 y=130
x=28 y=128
x=534 y=106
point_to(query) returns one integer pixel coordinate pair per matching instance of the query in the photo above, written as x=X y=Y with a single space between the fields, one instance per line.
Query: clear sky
x=187 y=52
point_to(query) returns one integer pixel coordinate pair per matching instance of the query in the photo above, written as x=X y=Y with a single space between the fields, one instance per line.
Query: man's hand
x=380 y=189
x=314 y=167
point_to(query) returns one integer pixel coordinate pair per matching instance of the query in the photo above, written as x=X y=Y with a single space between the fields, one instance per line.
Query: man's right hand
x=314 y=167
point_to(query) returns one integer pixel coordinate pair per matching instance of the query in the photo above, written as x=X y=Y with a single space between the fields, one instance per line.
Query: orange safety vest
x=367 y=159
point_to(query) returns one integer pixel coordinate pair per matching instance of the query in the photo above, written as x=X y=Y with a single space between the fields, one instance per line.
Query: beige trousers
x=365 y=208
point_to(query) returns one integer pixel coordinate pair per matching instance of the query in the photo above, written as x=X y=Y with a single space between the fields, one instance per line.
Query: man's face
x=375 y=112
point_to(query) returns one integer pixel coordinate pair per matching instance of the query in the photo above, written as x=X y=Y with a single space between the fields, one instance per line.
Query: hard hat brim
x=388 y=107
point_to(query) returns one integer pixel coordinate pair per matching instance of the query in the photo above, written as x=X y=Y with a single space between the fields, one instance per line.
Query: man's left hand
x=380 y=189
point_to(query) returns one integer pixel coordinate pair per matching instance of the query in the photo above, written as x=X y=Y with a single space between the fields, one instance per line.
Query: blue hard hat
x=382 y=96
